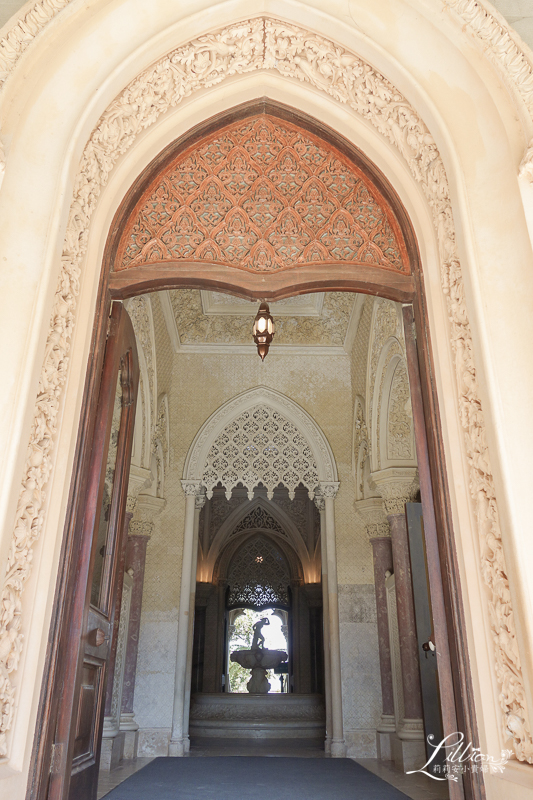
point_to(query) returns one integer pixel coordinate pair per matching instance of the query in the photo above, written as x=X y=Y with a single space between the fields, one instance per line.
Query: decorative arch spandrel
x=262 y=195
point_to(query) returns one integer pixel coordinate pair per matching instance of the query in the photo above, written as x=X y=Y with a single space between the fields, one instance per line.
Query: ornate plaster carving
x=399 y=433
x=140 y=311
x=396 y=487
x=196 y=327
x=328 y=489
x=260 y=446
x=24 y=32
x=262 y=195
x=372 y=514
x=146 y=510
x=204 y=62
x=277 y=403
x=258 y=575
x=139 y=479
x=505 y=49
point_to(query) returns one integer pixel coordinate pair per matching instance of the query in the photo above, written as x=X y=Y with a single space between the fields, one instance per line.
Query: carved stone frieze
x=204 y=62
x=259 y=519
x=140 y=312
x=192 y=488
x=329 y=489
x=139 y=479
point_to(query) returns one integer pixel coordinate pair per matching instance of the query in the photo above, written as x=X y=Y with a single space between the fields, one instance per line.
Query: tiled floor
x=417 y=787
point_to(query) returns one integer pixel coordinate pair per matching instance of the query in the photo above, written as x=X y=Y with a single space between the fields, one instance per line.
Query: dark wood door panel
x=91 y=691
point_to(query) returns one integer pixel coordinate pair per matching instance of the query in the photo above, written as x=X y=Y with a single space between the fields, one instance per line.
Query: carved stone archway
x=369 y=279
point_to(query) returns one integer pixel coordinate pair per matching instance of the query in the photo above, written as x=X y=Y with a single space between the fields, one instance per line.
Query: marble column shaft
x=136 y=561
x=176 y=747
x=321 y=505
x=412 y=694
x=338 y=746
x=382 y=553
x=199 y=502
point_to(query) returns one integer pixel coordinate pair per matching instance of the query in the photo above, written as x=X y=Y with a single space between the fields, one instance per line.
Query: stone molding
x=206 y=61
x=372 y=514
x=396 y=486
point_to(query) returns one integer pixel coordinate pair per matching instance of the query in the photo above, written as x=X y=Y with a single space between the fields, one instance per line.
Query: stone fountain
x=259 y=659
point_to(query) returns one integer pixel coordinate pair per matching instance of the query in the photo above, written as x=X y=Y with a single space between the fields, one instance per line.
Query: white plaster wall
x=60 y=87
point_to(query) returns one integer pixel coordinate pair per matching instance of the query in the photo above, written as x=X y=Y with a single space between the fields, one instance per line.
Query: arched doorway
x=361 y=242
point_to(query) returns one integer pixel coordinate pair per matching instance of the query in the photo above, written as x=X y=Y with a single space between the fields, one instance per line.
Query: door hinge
x=57 y=758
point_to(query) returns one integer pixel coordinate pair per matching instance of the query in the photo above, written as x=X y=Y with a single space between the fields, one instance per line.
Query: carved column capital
x=396 y=486
x=192 y=487
x=371 y=512
x=147 y=508
x=139 y=479
x=328 y=489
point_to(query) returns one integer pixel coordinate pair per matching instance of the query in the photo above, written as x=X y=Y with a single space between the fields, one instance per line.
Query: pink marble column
x=135 y=560
x=412 y=695
x=382 y=552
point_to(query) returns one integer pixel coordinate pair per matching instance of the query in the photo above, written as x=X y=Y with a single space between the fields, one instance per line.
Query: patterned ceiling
x=201 y=320
x=262 y=195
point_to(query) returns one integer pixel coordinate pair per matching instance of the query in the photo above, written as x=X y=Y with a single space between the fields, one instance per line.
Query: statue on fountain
x=259 y=659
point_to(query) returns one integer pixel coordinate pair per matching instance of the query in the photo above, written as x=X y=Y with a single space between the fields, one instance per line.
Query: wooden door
x=78 y=732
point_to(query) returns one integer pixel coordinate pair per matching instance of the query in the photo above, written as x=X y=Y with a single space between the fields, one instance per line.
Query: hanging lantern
x=263 y=330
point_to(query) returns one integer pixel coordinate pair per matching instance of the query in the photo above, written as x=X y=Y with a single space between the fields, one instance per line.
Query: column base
x=327 y=746
x=338 y=748
x=131 y=744
x=112 y=752
x=127 y=722
x=408 y=755
x=176 y=748
x=384 y=746
x=385 y=730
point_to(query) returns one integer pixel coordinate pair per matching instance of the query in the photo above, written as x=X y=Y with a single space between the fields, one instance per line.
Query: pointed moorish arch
x=197 y=457
x=290 y=538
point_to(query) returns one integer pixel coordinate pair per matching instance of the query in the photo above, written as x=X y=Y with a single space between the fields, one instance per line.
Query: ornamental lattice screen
x=260 y=446
x=258 y=576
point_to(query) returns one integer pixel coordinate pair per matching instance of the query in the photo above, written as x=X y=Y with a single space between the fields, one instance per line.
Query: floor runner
x=252 y=778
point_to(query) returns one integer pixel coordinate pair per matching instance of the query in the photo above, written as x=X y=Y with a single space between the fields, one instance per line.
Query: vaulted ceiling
x=204 y=321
